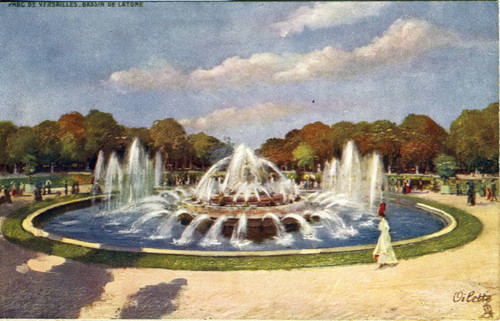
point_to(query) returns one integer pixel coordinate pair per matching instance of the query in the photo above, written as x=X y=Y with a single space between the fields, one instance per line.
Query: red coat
x=381 y=208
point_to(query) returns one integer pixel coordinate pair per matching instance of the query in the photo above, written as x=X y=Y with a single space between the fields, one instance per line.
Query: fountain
x=354 y=178
x=243 y=202
x=158 y=169
x=248 y=180
x=99 y=166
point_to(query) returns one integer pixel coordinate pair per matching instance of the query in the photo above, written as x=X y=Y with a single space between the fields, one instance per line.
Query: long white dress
x=384 y=249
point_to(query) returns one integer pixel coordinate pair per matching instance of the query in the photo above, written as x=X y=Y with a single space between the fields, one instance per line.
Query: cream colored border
x=29 y=227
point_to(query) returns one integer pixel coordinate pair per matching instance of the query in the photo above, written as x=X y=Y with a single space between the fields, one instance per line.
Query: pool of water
x=153 y=223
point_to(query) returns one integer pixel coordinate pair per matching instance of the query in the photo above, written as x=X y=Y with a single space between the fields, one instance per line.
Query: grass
x=468 y=228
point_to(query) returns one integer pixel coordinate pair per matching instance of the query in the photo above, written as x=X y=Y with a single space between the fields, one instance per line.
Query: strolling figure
x=471 y=194
x=383 y=251
x=6 y=192
x=494 y=197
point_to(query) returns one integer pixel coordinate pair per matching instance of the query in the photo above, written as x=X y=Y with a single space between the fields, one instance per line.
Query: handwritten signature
x=471 y=297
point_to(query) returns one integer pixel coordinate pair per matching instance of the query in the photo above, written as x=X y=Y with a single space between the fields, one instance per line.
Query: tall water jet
x=354 y=178
x=331 y=175
x=376 y=178
x=99 y=167
x=138 y=180
x=158 y=169
x=114 y=177
x=350 y=172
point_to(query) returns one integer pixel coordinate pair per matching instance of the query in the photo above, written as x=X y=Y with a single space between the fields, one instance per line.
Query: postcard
x=249 y=160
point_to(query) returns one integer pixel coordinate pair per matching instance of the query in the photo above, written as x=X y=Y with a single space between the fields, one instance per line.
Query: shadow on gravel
x=153 y=302
x=59 y=293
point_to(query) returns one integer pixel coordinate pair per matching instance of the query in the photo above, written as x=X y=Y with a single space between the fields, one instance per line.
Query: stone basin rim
x=29 y=226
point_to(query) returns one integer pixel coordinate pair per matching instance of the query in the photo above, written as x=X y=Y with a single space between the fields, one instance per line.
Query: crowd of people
x=180 y=179
x=40 y=189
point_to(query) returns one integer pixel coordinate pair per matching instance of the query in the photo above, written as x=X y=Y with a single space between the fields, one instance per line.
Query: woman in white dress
x=383 y=251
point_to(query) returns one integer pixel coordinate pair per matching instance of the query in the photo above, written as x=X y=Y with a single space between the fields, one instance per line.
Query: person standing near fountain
x=383 y=250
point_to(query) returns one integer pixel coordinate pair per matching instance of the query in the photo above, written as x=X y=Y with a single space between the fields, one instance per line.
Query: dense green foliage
x=474 y=139
x=445 y=165
x=468 y=228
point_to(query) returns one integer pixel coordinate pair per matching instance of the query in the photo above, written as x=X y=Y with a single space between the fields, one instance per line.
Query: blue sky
x=249 y=70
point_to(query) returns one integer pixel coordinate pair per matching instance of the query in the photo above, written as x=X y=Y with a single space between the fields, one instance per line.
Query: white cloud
x=228 y=118
x=237 y=71
x=158 y=74
x=325 y=15
x=406 y=39
x=403 y=41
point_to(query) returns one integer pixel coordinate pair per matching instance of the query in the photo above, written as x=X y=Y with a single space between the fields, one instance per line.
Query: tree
x=170 y=137
x=72 y=136
x=474 y=139
x=7 y=128
x=320 y=138
x=386 y=138
x=71 y=151
x=49 y=147
x=292 y=140
x=342 y=132
x=363 y=137
x=423 y=140
x=24 y=143
x=273 y=150
x=304 y=155
x=102 y=133
x=203 y=146
x=74 y=123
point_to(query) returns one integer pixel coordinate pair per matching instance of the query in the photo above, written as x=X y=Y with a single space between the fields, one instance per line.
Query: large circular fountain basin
x=87 y=225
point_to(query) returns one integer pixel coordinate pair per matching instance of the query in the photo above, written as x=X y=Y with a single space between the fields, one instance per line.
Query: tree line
x=472 y=142
x=74 y=141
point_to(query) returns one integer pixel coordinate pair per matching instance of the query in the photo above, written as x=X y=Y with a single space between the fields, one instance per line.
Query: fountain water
x=353 y=178
x=188 y=235
x=158 y=169
x=248 y=179
x=214 y=235
x=239 y=234
x=138 y=179
x=241 y=199
x=99 y=167
x=114 y=177
x=376 y=179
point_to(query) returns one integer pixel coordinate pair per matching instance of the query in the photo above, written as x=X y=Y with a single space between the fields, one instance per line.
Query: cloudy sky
x=250 y=71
